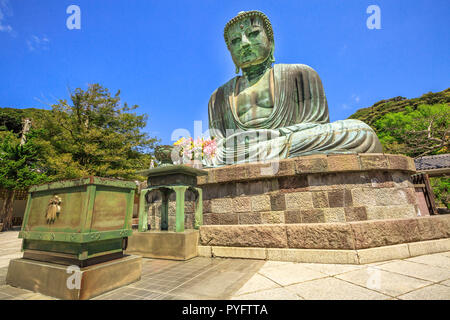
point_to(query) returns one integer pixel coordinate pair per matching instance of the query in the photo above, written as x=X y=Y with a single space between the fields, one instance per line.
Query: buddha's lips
x=246 y=54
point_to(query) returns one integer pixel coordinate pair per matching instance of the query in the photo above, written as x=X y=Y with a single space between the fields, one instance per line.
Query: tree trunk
x=25 y=129
x=7 y=210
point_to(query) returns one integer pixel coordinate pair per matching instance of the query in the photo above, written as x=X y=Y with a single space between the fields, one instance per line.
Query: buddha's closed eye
x=253 y=34
x=236 y=40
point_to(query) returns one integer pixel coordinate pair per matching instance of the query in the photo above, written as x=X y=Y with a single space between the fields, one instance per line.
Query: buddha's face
x=248 y=42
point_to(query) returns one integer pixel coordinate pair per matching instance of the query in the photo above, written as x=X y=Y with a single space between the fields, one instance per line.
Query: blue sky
x=169 y=56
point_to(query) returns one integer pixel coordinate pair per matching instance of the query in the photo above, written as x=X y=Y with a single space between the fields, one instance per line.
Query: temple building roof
x=434 y=165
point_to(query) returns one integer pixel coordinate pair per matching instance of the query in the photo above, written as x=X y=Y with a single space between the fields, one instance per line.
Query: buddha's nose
x=244 y=41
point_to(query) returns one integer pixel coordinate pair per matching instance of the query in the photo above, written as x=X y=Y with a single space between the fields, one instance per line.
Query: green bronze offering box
x=78 y=222
x=173 y=175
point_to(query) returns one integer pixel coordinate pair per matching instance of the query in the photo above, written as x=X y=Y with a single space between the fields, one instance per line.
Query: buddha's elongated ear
x=272 y=50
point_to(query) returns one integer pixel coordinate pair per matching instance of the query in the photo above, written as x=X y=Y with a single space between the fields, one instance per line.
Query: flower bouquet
x=191 y=152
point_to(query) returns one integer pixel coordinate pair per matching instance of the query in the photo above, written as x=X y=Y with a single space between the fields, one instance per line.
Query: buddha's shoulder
x=226 y=87
x=293 y=67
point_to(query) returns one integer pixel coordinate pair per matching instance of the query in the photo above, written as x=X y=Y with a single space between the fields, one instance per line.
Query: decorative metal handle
x=53 y=209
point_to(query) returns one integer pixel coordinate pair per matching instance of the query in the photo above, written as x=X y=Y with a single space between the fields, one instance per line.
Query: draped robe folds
x=298 y=125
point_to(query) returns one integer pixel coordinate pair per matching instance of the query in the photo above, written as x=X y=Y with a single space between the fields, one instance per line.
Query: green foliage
x=11 y=119
x=414 y=127
x=441 y=190
x=94 y=135
x=398 y=104
x=18 y=163
x=416 y=132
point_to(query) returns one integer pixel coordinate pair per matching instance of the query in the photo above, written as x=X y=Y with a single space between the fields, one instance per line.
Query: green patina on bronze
x=172 y=175
x=93 y=217
x=279 y=111
x=164 y=154
x=166 y=180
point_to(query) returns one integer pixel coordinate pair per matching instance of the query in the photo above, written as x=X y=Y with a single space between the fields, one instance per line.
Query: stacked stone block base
x=309 y=189
x=348 y=243
x=356 y=208
x=360 y=256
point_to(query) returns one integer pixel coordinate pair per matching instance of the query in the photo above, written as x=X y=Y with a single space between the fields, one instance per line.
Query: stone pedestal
x=348 y=243
x=310 y=189
x=355 y=208
x=164 y=244
x=71 y=282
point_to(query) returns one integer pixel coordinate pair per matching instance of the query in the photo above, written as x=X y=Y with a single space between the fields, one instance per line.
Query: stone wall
x=310 y=189
x=347 y=236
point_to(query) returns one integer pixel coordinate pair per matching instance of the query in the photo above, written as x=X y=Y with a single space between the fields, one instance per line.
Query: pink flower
x=196 y=149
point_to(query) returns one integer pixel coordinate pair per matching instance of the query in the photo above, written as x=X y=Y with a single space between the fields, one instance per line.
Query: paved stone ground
x=418 y=278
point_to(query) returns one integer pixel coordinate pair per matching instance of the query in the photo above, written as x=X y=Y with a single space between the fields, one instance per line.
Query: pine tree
x=18 y=171
x=94 y=135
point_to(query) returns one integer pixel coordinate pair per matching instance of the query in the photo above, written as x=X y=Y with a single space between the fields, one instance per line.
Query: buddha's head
x=249 y=38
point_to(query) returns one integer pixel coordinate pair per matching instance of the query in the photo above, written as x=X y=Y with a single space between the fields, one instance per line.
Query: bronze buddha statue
x=272 y=112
